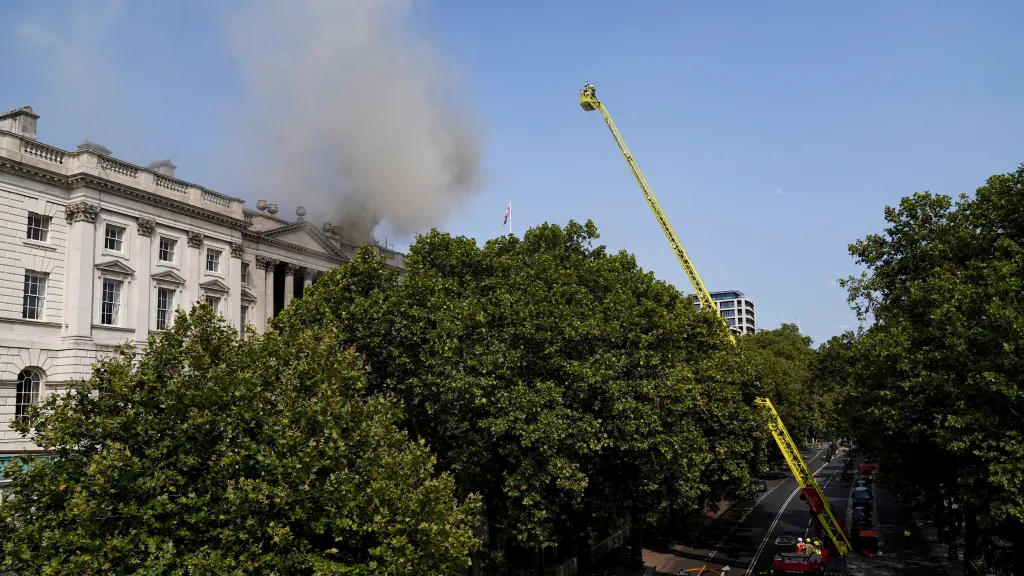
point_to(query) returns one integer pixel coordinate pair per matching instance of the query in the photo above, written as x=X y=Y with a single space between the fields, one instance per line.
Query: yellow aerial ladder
x=833 y=528
x=589 y=102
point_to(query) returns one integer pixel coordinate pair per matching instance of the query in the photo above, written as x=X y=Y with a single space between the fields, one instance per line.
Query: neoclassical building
x=96 y=252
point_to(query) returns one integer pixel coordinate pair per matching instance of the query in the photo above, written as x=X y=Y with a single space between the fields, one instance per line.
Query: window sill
x=163 y=264
x=32 y=322
x=38 y=244
x=109 y=327
x=114 y=253
x=214 y=274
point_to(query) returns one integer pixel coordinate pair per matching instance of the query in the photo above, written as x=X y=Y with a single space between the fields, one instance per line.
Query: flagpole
x=510 y=217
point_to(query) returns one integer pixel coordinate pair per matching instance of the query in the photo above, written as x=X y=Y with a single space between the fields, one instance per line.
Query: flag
x=508 y=212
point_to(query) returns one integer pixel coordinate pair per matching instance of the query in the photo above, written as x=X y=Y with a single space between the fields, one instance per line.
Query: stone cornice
x=260 y=239
x=43 y=175
x=81 y=180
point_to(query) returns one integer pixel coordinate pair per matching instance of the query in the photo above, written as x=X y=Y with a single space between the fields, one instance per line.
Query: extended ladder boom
x=589 y=102
x=832 y=526
x=834 y=529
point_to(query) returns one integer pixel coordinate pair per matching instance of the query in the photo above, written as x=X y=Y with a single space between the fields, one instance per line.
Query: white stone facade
x=96 y=252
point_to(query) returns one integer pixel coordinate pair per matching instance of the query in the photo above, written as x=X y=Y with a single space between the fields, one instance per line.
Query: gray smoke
x=354 y=117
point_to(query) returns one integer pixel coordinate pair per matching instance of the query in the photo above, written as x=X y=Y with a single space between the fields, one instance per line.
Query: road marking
x=747 y=513
x=760 y=548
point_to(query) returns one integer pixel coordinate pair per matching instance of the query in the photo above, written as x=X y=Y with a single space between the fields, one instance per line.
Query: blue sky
x=773 y=134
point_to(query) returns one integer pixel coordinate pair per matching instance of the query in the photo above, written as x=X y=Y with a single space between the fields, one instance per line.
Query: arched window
x=28 y=392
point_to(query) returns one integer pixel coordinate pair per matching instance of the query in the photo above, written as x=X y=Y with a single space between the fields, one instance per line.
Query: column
x=307 y=279
x=289 y=282
x=234 y=315
x=193 y=270
x=143 y=297
x=81 y=254
x=257 y=318
x=269 y=264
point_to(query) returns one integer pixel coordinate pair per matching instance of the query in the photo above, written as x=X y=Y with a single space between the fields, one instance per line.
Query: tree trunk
x=636 y=547
x=583 y=543
x=970 y=539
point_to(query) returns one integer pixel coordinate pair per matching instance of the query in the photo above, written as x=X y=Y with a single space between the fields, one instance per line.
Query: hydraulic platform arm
x=833 y=527
x=589 y=102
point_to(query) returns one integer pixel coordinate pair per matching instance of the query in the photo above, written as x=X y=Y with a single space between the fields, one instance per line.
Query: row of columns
x=268 y=265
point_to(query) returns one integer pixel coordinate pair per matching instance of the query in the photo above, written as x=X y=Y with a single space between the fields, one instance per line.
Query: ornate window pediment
x=215 y=286
x=248 y=296
x=168 y=277
x=116 y=269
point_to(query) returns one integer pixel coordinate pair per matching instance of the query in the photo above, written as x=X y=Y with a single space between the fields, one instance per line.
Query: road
x=747 y=537
x=749 y=534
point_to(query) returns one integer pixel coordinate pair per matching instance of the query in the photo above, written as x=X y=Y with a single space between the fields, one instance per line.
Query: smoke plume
x=353 y=116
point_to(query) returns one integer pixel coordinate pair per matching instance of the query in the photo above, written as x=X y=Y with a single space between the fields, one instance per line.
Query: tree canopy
x=937 y=379
x=566 y=385
x=215 y=454
x=562 y=390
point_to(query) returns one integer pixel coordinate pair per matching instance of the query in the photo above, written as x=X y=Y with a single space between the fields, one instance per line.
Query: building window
x=212 y=260
x=214 y=303
x=245 y=273
x=167 y=246
x=38 y=227
x=34 y=297
x=113 y=238
x=111 y=308
x=164 y=305
x=244 y=317
x=27 y=394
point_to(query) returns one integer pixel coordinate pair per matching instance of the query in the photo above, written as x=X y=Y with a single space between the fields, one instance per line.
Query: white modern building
x=736 y=308
x=96 y=251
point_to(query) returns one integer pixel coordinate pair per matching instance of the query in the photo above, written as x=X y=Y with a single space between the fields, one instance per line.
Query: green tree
x=940 y=370
x=562 y=383
x=833 y=375
x=214 y=454
x=780 y=361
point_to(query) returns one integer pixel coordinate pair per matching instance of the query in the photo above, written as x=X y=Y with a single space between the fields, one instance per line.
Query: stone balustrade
x=18 y=148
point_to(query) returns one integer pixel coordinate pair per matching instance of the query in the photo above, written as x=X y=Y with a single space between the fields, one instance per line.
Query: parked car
x=863 y=482
x=861 y=518
x=761 y=485
x=862 y=498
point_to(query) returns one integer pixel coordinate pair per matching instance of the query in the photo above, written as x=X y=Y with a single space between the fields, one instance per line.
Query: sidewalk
x=931 y=535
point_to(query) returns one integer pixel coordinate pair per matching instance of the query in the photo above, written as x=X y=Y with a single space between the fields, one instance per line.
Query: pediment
x=168 y=276
x=214 y=286
x=247 y=296
x=307 y=236
x=115 y=267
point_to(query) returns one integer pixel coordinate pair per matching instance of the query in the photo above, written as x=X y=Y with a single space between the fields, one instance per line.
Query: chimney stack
x=21 y=121
x=94 y=147
x=164 y=167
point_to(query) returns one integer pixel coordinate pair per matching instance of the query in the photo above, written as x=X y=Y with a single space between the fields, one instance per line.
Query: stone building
x=95 y=252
